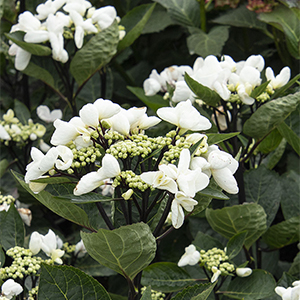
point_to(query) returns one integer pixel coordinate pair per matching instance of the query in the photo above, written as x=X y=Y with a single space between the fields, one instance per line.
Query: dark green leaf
x=295 y=267
x=205 y=242
x=292 y=138
x=286 y=20
x=213 y=193
x=241 y=17
x=53 y=180
x=290 y=195
x=2 y=257
x=87 y=198
x=204 y=44
x=283 y=234
x=286 y=280
x=35 y=49
x=259 y=285
x=66 y=282
x=235 y=244
x=12 y=231
x=154 y=102
x=229 y=221
x=274 y=157
x=22 y=112
x=262 y=186
x=61 y=207
x=216 y=138
x=195 y=292
x=270 y=115
x=186 y=12
x=166 y=277
x=126 y=250
x=271 y=142
x=3 y=166
x=203 y=202
x=204 y=93
x=134 y=23
x=259 y=89
x=95 y=54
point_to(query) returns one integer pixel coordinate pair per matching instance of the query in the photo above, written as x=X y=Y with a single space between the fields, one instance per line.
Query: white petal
x=3 y=134
x=40 y=36
x=243 y=272
x=110 y=167
x=88 y=183
x=226 y=180
x=151 y=87
x=22 y=59
x=177 y=215
x=67 y=158
x=43 y=113
x=79 y=36
x=89 y=115
x=10 y=288
x=35 y=242
x=106 y=108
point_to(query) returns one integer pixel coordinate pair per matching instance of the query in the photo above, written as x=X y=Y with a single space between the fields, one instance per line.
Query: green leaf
x=216 y=138
x=283 y=234
x=259 y=89
x=281 y=90
x=235 y=244
x=18 y=38
x=53 y=180
x=158 y=21
x=2 y=257
x=12 y=231
x=22 y=112
x=286 y=280
x=126 y=250
x=241 y=17
x=3 y=166
x=195 y=292
x=185 y=12
x=259 y=285
x=213 y=193
x=42 y=74
x=205 y=242
x=292 y=138
x=203 y=202
x=147 y=294
x=134 y=22
x=274 y=157
x=204 y=93
x=270 y=115
x=204 y=44
x=66 y=282
x=166 y=277
x=86 y=198
x=262 y=186
x=287 y=21
x=95 y=54
x=271 y=142
x=61 y=207
x=290 y=195
x=154 y=102
x=229 y=221
x=295 y=267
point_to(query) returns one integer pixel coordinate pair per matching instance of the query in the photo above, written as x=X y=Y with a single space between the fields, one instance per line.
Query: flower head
x=190 y=257
x=10 y=288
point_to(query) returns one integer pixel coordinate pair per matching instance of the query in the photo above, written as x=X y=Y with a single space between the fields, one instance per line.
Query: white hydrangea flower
x=46 y=115
x=243 y=272
x=280 y=80
x=216 y=274
x=80 y=250
x=10 y=288
x=104 y=16
x=290 y=293
x=190 y=257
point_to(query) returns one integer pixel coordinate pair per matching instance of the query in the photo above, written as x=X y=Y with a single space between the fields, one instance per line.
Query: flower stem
x=104 y=215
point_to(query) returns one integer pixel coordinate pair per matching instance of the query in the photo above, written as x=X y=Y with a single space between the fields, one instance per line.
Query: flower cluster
x=290 y=293
x=233 y=81
x=59 y=19
x=9 y=289
x=155 y=295
x=11 y=129
x=107 y=135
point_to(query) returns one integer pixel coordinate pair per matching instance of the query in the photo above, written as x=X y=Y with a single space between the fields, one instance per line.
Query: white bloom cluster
x=46 y=115
x=57 y=19
x=11 y=129
x=10 y=288
x=290 y=293
x=233 y=81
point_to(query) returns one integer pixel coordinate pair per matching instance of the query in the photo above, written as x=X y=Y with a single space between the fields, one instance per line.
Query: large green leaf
x=18 y=38
x=283 y=234
x=205 y=242
x=22 y=112
x=126 y=250
x=213 y=193
x=270 y=115
x=66 y=282
x=274 y=157
x=290 y=195
x=295 y=267
x=292 y=138
x=12 y=231
x=271 y=142
x=204 y=93
x=166 y=277
x=262 y=186
x=185 y=12
x=216 y=138
x=204 y=44
x=195 y=292
x=229 y=221
x=61 y=207
x=134 y=22
x=235 y=244
x=259 y=285
x=286 y=20
x=154 y=102
x=241 y=17
x=95 y=54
